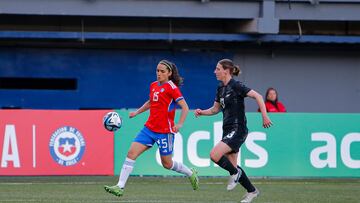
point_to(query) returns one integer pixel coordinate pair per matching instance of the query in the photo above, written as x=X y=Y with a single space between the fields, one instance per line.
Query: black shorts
x=234 y=136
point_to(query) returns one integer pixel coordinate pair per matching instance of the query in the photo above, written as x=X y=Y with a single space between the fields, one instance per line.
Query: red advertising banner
x=47 y=142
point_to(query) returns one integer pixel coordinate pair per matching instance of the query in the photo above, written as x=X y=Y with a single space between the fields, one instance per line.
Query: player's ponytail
x=236 y=71
x=229 y=64
x=175 y=76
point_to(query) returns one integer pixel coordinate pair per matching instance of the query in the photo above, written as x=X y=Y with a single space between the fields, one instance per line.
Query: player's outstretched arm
x=184 y=111
x=266 y=120
x=208 y=112
x=143 y=108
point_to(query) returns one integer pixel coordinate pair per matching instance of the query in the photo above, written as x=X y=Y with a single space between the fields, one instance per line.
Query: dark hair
x=267 y=94
x=175 y=76
x=229 y=64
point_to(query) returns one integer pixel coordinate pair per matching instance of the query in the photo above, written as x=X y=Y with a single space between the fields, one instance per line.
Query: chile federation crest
x=67 y=146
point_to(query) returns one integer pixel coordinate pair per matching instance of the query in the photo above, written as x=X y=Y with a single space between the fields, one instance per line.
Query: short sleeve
x=176 y=94
x=241 y=89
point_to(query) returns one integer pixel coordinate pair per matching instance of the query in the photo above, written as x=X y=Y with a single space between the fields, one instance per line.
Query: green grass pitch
x=173 y=189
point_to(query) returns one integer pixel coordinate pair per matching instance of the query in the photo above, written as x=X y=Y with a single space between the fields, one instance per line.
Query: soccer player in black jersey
x=230 y=99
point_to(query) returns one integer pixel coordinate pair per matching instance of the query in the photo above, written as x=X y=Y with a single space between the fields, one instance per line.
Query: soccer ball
x=112 y=121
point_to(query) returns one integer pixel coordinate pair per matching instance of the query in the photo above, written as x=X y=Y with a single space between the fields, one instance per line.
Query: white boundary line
x=34 y=146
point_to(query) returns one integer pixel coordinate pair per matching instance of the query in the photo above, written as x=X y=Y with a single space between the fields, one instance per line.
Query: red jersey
x=163 y=100
x=272 y=108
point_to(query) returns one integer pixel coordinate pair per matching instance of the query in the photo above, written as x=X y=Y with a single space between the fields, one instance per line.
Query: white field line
x=92 y=183
x=139 y=200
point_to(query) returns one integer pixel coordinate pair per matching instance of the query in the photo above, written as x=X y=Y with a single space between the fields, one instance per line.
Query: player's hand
x=267 y=122
x=176 y=128
x=197 y=112
x=132 y=114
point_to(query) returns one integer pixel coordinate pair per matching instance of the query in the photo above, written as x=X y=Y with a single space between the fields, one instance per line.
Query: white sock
x=125 y=172
x=181 y=168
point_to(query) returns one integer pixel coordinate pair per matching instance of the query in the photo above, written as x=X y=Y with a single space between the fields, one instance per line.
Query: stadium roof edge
x=205 y=37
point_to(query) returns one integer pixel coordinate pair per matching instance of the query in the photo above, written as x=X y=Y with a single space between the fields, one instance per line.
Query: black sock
x=245 y=182
x=227 y=165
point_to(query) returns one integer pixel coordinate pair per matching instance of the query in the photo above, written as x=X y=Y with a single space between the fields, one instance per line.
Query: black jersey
x=231 y=98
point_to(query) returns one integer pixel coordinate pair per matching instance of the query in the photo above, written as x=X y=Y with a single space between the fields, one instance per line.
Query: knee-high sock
x=245 y=182
x=125 y=172
x=181 y=168
x=227 y=165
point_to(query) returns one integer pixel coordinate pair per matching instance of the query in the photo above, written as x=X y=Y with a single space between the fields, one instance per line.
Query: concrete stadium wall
x=307 y=81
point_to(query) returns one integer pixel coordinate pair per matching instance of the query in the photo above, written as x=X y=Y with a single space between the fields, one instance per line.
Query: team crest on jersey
x=67 y=146
x=162 y=90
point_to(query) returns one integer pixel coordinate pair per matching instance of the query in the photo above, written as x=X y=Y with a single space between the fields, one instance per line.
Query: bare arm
x=208 y=112
x=140 y=110
x=184 y=111
x=266 y=120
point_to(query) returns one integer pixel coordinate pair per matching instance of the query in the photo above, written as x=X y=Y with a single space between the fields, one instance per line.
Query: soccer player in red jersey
x=160 y=127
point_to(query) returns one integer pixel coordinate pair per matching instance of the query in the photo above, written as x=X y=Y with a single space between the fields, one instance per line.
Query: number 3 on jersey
x=156 y=96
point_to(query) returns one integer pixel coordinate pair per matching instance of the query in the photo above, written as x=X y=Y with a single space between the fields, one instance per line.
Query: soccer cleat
x=233 y=180
x=250 y=196
x=194 y=179
x=115 y=190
